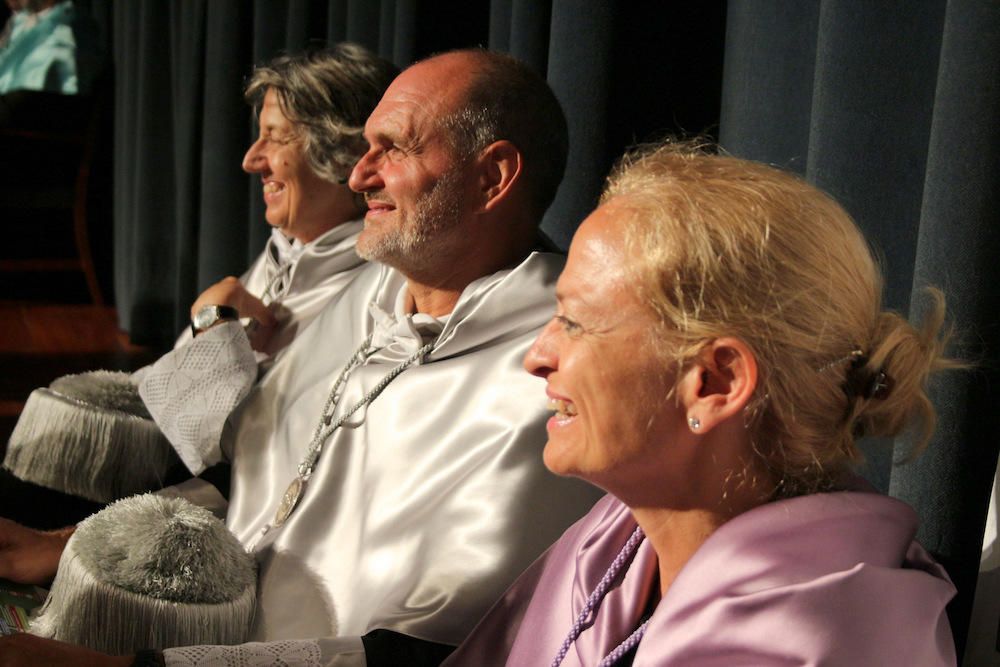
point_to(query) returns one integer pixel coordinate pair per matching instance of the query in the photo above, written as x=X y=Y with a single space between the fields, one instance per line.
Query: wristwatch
x=210 y=315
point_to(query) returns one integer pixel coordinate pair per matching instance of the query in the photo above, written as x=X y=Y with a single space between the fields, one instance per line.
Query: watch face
x=206 y=317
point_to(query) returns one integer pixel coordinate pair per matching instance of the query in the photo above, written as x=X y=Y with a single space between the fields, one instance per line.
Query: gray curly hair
x=328 y=95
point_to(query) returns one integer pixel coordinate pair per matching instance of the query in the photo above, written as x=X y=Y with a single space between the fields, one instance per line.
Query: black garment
x=386 y=648
x=38 y=507
x=45 y=509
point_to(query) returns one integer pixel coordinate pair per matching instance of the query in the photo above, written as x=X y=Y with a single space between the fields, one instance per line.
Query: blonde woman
x=718 y=347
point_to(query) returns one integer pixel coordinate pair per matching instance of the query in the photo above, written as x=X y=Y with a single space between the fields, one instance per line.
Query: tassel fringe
x=85 y=450
x=83 y=610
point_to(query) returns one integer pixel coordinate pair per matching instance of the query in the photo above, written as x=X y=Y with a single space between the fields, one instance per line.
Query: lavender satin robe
x=825 y=579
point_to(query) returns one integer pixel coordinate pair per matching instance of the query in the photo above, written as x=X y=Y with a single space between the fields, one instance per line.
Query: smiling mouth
x=272 y=188
x=379 y=208
x=562 y=408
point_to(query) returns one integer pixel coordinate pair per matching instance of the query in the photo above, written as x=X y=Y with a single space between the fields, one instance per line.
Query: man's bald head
x=466 y=150
x=505 y=99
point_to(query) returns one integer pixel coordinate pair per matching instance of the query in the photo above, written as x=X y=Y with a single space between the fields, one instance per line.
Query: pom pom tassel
x=164 y=549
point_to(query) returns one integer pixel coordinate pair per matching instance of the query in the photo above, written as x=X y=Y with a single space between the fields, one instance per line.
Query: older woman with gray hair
x=719 y=346
x=311 y=109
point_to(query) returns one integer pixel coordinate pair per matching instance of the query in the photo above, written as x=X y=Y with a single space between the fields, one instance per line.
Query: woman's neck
x=677 y=530
x=675 y=536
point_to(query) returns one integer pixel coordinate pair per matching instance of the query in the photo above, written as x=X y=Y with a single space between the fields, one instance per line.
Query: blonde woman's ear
x=719 y=384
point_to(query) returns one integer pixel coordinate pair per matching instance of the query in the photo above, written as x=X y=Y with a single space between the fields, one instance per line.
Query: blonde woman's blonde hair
x=728 y=247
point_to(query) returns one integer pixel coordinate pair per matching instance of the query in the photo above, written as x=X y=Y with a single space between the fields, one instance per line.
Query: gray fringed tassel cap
x=89 y=435
x=150 y=572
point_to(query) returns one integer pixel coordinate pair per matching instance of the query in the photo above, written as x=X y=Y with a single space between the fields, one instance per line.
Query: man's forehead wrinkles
x=417 y=109
x=404 y=120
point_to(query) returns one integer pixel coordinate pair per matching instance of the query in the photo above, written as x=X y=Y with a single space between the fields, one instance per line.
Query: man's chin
x=391 y=252
x=372 y=248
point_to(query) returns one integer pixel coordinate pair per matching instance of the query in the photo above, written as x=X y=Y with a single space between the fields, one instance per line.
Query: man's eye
x=568 y=325
x=382 y=150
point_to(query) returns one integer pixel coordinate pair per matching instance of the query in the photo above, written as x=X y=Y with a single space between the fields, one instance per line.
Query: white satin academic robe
x=427 y=504
x=299 y=280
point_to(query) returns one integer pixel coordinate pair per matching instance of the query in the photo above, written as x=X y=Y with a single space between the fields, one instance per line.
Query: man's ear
x=718 y=384
x=500 y=166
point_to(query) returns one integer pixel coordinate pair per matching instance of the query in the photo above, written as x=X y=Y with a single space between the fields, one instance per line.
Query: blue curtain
x=892 y=107
x=186 y=215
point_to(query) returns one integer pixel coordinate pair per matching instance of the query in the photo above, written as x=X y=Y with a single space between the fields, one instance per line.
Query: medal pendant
x=288 y=501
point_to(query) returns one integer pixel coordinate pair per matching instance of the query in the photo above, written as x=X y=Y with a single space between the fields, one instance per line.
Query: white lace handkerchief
x=191 y=390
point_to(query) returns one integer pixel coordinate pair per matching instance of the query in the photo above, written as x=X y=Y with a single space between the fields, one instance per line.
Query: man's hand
x=30 y=556
x=23 y=649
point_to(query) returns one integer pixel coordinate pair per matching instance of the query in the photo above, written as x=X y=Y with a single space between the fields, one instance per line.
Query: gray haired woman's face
x=299 y=203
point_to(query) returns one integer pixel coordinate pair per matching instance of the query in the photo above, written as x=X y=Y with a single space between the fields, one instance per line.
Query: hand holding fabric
x=231 y=292
x=30 y=556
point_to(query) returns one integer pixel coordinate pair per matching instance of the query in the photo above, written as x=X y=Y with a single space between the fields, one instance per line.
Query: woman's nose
x=254 y=161
x=541 y=358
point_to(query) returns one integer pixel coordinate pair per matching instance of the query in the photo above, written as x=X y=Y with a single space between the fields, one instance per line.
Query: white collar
x=410 y=330
x=286 y=250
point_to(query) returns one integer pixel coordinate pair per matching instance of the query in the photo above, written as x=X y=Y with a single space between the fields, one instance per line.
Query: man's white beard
x=416 y=239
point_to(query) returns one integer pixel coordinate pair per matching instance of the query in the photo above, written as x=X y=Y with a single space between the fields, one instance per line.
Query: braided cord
x=316 y=448
x=622 y=649
x=324 y=428
x=283 y=270
x=584 y=620
x=326 y=414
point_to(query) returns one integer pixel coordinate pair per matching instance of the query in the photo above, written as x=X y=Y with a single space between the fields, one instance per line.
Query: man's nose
x=365 y=177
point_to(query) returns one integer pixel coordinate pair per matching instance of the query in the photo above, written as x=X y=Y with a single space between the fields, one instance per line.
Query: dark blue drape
x=892 y=107
x=186 y=215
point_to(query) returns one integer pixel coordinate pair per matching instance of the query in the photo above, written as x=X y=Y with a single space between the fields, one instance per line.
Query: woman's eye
x=279 y=139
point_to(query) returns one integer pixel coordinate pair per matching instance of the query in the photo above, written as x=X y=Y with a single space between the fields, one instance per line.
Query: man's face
x=417 y=189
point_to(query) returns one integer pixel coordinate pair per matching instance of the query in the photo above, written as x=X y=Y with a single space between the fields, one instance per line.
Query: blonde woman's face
x=613 y=421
